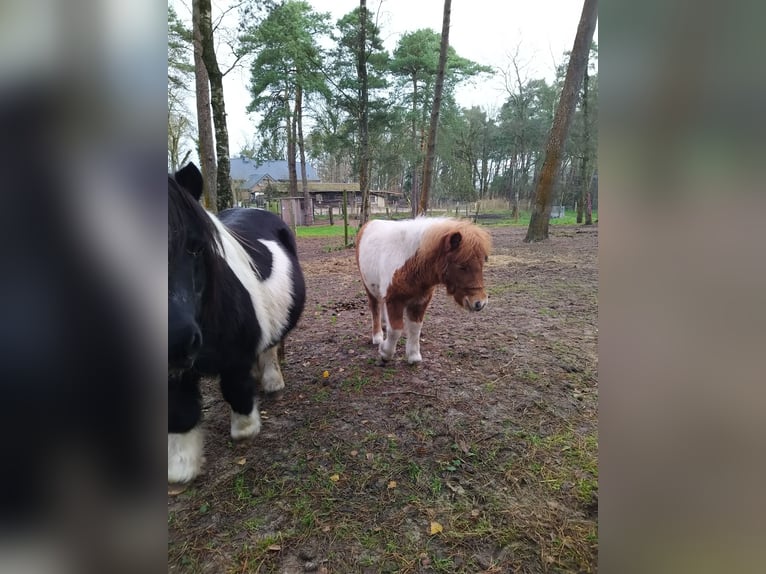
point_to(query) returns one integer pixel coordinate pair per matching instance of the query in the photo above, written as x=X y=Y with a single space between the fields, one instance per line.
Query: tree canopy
x=306 y=90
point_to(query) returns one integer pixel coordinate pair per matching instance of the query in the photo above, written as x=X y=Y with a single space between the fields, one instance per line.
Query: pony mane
x=185 y=212
x=475 y=242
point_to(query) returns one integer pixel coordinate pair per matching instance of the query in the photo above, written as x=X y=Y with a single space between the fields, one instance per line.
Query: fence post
x=329 y=211
x=345 y=218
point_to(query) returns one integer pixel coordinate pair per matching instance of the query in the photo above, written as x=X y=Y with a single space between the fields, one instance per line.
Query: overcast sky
x=485 y=31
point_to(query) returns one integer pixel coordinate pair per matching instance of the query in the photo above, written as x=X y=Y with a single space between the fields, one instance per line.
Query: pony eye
x=194 y=250
x=463 y=267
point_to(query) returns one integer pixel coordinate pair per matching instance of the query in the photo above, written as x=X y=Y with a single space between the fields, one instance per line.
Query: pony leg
x=412 y=348
x=375 y=310
x=269 y=371
x=238 y=388
x=395 y=320
x=413 y=322
x=185 y=439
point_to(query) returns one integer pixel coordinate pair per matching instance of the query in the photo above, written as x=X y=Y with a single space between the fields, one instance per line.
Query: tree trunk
x=435 y=109
x=215 y=76
x=586 y=159
x=415 y=186
x=578 y=62
x=364 y=135
x=308 y=211
x=583 y=186
x=204 y=122
x=291 y=173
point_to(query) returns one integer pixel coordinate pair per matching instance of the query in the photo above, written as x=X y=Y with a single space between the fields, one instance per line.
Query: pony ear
x=453 y=241
x=190 y=178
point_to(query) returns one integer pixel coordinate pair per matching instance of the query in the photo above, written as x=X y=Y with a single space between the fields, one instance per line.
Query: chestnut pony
x=402 y=262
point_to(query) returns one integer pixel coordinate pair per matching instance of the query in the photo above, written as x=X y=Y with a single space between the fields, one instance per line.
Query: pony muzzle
x=475 y=304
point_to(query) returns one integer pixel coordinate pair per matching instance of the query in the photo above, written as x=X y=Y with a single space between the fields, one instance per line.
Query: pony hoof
x=245 y=426
x=415 y=359
x=272 y=382
x=181 y=471
x=385 y=357
x=184 y=456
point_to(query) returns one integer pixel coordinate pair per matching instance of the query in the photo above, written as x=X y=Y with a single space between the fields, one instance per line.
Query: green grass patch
x=570 y=218
x=325 y=231
x=504 y=219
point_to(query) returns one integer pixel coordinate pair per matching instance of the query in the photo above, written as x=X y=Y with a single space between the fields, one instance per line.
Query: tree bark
x=414 y=185
x=435 y=109
x=578 y=62
x=308 y=212
x=291 y=173
x=204 y=122
x=223 y=179
x=586 y=150
x=364 y=135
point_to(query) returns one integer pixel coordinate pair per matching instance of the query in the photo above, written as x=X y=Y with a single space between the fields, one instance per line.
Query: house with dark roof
x=249 y=178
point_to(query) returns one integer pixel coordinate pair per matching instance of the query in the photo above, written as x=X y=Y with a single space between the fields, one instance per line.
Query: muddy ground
x=481 y=459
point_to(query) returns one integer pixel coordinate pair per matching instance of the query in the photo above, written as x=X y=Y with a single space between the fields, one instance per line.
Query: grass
x=393 y=535
x=324 y=231
x=504 y=219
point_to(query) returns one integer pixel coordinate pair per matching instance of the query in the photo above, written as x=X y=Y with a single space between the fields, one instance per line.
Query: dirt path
x=492 y=439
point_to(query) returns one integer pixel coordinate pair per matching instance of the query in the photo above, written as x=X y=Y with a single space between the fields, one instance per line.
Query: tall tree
x=538 y=224
x=357 y=74
x=180 y=72
x=415 y=62
x=308 y=212
x=435 y=109
x=587 y=148
x=215 y=76
x=285 y=72
x=204 y=121
x=364 y=136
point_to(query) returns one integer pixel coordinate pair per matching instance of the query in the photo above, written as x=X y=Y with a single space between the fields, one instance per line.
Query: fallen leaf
x=369 y=456
x=436 y=528
x=274 y=548
x=335 y=477
x=325 y=529
x=326 y=374
x=354 y=452
x=392 y=484
x=241 y=461
x=176 y=491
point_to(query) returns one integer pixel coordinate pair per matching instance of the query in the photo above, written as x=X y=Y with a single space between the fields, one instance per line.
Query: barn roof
x=247 y=170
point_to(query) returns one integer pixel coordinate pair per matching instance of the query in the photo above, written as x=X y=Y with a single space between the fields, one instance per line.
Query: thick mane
x=475 y=244
x=184 y=212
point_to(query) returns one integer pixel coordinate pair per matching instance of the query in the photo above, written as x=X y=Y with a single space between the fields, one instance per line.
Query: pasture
x=484 y=458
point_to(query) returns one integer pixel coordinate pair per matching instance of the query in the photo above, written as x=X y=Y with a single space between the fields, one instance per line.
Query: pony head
x=467 y=249
x=192 y=251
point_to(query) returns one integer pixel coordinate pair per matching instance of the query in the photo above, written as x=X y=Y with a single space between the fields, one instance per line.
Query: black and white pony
x=235 y=289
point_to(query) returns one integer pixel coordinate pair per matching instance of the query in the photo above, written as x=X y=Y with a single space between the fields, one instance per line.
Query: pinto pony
x=402 y=262
x=235 y=289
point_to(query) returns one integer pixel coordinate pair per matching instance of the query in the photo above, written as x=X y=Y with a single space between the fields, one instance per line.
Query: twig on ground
x=409 y=393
